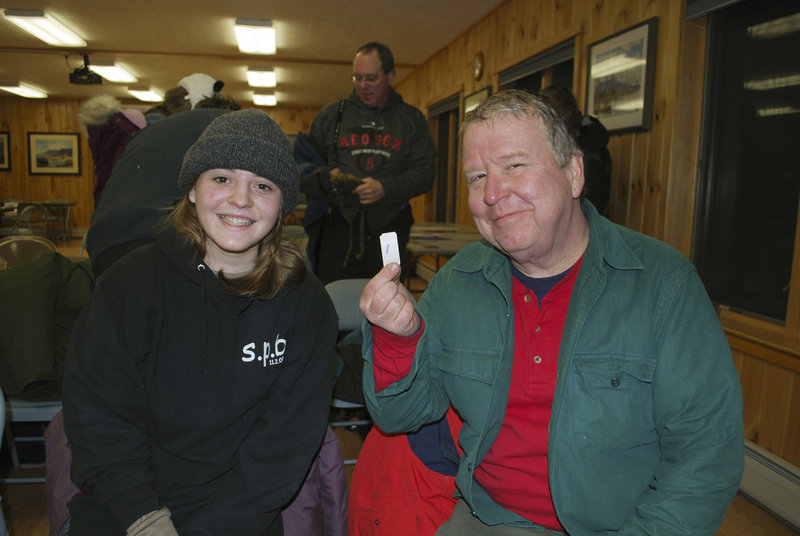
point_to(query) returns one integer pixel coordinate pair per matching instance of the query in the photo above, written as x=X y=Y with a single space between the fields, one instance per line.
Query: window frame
x=747 y=329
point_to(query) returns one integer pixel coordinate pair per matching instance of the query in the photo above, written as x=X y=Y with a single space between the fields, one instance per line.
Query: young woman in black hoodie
x=199 y=375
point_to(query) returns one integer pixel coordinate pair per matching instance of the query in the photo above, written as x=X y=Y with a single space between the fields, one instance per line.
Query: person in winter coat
x=592 y=138
x=142 y=185
x=199 y=375
x=310 y=157
x=378 y=154
x=109 y=128
x=596 y=386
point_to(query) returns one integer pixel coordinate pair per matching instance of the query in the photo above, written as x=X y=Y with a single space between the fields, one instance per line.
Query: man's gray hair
x=521 y=104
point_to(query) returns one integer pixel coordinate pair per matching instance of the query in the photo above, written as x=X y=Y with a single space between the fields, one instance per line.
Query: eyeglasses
x=369 y=79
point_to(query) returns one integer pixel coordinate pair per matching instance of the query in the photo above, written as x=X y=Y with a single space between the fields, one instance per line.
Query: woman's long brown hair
x=278 y=263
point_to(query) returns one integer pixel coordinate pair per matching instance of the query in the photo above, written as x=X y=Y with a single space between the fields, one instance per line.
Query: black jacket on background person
x=593 y=141
x=182 y=394
x=142 y=185
x=389 y=143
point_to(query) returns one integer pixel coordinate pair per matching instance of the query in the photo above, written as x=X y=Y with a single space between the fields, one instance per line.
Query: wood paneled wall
x=771 y=405
x=654 y=172
x=645 y=176
x=20 y=116
x=769 y=369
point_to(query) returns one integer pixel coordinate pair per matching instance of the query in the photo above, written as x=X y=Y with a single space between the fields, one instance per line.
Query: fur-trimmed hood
x=97 y=110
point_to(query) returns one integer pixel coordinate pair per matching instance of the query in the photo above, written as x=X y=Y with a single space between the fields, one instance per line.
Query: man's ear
x=574 y=169
x=390 y=76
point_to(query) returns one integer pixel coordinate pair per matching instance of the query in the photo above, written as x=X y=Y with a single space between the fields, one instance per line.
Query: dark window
x=444 y=115
x=749 y=182
x=553 y=67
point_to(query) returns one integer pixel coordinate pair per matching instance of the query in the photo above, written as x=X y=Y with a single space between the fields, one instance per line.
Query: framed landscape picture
x=620 y=78
x=5 y=152
x=54 y=153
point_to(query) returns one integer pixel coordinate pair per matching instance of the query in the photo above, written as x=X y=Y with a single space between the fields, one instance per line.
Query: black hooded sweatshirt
x=390 y=143
x=182 y=394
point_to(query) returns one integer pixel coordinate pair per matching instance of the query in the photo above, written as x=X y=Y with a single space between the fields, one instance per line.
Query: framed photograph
x=5 y=152
x=620 y=78
x=54 y=154
x=473 y=100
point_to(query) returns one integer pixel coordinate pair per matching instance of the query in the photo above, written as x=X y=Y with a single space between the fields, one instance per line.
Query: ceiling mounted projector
x=84 y=75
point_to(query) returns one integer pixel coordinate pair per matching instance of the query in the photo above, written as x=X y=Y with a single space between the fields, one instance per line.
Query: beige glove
x=156 y=523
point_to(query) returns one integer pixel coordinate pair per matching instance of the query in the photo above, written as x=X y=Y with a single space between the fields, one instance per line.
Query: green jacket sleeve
x=413 y=401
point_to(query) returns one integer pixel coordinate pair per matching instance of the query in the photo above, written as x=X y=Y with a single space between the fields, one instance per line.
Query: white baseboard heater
x=772 y=482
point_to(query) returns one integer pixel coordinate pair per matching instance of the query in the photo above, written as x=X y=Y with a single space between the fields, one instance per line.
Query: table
x=8 y=211
x=59 y=210
x=439 y=240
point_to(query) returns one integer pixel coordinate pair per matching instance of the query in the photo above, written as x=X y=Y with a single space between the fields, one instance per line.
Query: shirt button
x=537 y=359
x=538 y=328
x=527 y=298
x=614 y=382
x=377 y=522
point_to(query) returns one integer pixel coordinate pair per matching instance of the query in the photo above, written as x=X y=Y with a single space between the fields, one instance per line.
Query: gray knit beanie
x=249 y=140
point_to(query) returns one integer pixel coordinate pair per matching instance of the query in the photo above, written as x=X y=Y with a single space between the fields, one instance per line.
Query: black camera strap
x=335 y=157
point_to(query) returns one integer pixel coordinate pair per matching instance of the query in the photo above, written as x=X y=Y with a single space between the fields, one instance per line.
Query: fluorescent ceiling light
x=24 y=90
x=261 y=77
x=145 y=94
x=112 y=71
x=44 y=27
x=265 y=99
x=255 y=36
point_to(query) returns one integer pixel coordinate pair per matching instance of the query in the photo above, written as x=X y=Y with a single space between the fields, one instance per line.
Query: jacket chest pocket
x=470 y=363
x=610 y=401
x=469 y=377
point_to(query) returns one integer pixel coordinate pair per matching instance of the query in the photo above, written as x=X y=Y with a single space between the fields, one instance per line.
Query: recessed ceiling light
x=255 y=36
x=44 y=27
x=24 y=90
x=144 y=93
x=261 y=77
x=112 y=72
x=265 y=99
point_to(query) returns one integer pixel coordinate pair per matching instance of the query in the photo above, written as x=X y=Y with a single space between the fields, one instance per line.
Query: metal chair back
x=19 y=249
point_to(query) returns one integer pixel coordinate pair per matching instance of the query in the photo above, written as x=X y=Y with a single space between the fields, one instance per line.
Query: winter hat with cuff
x=249 y=140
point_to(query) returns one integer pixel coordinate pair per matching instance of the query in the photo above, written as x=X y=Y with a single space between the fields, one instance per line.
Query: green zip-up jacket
x=646 y=433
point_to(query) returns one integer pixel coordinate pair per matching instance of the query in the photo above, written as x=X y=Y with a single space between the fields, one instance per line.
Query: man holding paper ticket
x=379 y=154
x=595 y=384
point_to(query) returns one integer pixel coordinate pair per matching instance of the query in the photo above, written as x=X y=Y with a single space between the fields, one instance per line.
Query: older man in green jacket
x=612 y=407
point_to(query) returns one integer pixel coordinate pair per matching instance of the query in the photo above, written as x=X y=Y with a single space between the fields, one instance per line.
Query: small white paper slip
x=389 y=248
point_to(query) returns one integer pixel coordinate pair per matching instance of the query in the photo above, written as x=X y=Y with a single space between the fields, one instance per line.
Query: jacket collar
x=606 y=247
x=393 y=100
x=606 y=242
